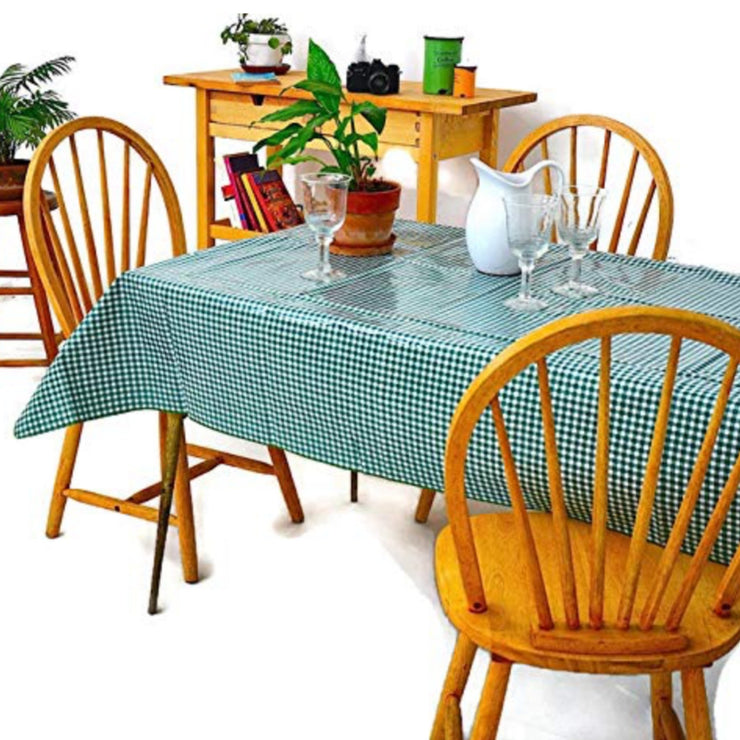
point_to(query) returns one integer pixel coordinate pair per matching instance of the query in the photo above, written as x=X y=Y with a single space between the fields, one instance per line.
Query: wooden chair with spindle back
x=549 y=591
x=642 y=151
x=75 y=279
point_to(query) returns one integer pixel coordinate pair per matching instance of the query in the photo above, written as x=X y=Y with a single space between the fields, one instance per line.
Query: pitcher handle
x=558 y=169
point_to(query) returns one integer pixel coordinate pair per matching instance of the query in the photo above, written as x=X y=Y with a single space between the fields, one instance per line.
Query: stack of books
x=262 y=201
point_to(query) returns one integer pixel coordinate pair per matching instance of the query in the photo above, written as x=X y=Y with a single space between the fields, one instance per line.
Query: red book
x=237 y=165
x=278 y=209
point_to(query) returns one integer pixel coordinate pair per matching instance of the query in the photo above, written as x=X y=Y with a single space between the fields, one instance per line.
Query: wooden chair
x=591 y=600
x=76 y=277
x=622 y=185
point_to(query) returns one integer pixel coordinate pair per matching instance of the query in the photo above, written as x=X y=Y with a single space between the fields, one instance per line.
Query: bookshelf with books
x=259 y=200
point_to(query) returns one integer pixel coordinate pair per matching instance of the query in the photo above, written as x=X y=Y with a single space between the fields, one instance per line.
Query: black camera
x=373 y=77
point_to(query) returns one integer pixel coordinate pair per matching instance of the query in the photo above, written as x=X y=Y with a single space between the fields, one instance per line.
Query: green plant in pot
x=27 y=113
x=261 y=43
x=349 y=130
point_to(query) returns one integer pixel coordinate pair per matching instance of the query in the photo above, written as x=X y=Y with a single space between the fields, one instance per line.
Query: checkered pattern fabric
x=366 y=372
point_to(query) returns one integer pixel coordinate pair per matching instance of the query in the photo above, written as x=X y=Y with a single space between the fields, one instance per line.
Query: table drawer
x=402 y=128
x=240 y=110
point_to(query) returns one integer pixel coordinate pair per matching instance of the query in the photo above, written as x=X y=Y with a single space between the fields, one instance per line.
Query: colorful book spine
x=243 y=218
x=251 y=194
x=273 y=201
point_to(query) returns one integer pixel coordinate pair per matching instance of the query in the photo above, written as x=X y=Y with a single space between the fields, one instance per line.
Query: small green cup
x=440 y=57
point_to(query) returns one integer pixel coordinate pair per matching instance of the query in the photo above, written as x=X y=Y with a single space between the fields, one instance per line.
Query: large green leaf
x=278 y=137
x=321 y=69
x=370 y=138
x=374 y=115
x=325 y=93
x=297 y=110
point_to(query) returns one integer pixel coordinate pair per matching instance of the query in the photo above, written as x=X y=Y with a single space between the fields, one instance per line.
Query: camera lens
x=379 y=83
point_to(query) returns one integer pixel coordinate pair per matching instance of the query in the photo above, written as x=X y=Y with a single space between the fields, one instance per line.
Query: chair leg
x=173 y=448
x=666 y=725
x=426 y=499
x=696 y=709
x=185 y=520
x=453 y=719
x=455 y=681
x=63 y=479
x=287 y=486
x=488 y=716
x=40 y=301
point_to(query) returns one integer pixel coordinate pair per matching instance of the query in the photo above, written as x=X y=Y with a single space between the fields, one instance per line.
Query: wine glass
x=325 y=206
x=579 y=218
x=528 y=222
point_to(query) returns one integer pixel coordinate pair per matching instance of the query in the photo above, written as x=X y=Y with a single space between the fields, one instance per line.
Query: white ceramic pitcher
x=485 y=228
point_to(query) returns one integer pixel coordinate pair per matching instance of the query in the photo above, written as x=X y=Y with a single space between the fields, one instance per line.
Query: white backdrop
x=666 y=69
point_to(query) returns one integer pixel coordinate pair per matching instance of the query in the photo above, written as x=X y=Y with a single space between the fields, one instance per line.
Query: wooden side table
x=36 y=289
x=430 y=127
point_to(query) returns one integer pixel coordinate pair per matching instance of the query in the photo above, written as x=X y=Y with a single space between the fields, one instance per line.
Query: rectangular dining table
x=365 y=373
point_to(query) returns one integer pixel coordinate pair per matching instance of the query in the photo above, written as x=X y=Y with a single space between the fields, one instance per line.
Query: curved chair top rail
x=534 y=349
x=641 y=148
x=74 y=280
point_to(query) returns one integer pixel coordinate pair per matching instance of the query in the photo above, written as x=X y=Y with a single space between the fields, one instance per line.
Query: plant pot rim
x=258 y=38
x=394 y=187
x=16 y=163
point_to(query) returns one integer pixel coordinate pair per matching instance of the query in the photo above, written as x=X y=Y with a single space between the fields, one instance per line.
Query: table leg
x=171 y=454
x=205 y=168
x=489 y=153
x=353 y=486
x=426 y=187
x=39 y=297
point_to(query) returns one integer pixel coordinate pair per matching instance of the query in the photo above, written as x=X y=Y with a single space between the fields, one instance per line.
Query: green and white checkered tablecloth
x=365 y=373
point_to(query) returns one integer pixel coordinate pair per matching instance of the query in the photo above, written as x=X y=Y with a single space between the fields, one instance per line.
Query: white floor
x=328 y=629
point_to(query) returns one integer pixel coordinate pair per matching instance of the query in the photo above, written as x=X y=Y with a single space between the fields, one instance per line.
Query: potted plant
x=371 y=203
x=27 y=112
x=261 y=43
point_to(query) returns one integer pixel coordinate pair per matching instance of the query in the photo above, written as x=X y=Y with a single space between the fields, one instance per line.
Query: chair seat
x=506 y=628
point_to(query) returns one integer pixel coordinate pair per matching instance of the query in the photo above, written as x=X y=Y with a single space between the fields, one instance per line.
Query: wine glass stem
x=324 y=264
x=575 y=269
x=526 y=266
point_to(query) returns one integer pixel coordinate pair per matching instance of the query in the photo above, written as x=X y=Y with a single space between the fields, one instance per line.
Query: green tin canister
x=441 y=54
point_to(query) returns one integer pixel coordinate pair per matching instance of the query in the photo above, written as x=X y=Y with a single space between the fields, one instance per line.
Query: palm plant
x=27 y=111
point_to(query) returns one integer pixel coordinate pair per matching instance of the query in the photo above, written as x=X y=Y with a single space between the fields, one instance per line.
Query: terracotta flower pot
x=12 y=179
x=368 y=227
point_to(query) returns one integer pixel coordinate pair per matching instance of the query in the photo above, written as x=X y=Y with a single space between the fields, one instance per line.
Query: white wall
x=666 y=68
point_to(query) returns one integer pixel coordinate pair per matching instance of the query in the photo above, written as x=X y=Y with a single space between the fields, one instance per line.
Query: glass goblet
x=528 y=222
x=579 y=218
x=325 y=207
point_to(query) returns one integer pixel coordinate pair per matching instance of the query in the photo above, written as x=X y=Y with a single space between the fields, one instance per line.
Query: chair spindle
x=520 y=512
x=641 y=528
x=600 y=511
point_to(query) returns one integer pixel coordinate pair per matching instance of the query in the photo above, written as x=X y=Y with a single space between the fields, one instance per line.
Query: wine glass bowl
x=578 y=220
x=528 y=222
x=325 y=208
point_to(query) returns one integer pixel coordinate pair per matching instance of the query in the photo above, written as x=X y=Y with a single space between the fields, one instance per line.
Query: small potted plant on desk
x=262 y=44
x=371 y=203
x=27 y=112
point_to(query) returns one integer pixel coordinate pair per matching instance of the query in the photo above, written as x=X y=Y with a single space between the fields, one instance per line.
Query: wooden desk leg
x=426 y=184
x=205 y=168
x=39 y=297
x=489 y=153
x=353 y=486
x=172 y=454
